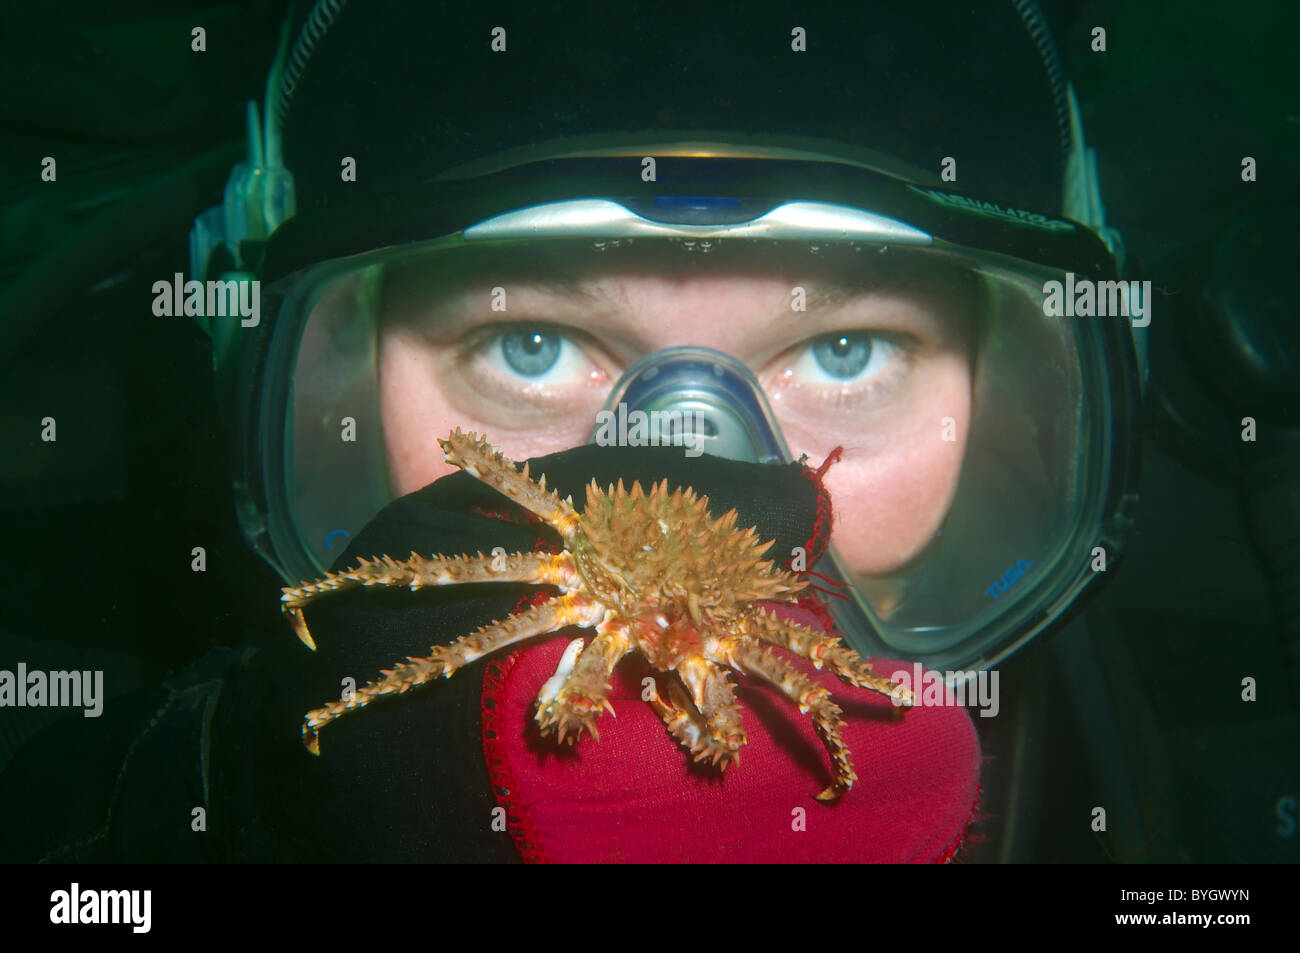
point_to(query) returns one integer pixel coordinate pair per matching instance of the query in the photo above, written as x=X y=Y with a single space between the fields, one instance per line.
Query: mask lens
x=972 y=424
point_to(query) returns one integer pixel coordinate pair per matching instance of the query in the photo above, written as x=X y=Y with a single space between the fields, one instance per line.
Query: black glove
x=405 y=778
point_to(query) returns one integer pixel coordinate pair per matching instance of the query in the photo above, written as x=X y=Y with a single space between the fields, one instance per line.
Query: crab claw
x=300 y=627
x=551 y=689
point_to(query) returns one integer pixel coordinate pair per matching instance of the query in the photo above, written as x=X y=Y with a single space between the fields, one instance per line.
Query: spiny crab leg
x=573 y=706
x=810 y=697
x=551 y=615
x=685 y=724
x=819 y=648
x=476 y=457
x=420 y=571
x=715 y=698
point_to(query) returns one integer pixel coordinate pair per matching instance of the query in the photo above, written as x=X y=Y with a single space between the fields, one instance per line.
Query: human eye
x=532 y=366
x=849 y=357
x=853 y=369
x=532 y=353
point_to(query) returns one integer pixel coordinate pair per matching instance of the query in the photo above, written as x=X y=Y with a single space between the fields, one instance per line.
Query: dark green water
x=1138 y=706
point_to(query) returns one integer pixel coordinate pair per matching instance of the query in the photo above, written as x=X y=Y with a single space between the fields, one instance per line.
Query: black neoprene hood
x=410 y=91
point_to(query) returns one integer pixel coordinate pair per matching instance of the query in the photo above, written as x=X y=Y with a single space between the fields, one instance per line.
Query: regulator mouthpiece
x=693 y=397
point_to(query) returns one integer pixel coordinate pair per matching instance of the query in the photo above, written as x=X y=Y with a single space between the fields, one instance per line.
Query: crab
x=650 y=572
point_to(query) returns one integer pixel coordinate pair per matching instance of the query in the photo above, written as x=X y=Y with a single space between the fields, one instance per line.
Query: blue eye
x=530 y=353
x=842 y=356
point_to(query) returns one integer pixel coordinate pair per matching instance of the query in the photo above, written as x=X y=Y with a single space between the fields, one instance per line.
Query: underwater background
x=1136 y=704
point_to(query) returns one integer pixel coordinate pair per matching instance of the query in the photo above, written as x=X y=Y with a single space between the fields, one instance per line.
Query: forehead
x=584 y=269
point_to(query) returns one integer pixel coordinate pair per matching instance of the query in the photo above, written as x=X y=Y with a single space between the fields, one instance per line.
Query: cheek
x=887 y=509
x=889 y=501
x=414 y=414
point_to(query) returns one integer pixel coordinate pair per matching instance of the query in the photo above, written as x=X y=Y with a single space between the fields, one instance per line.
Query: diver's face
x=875 y=370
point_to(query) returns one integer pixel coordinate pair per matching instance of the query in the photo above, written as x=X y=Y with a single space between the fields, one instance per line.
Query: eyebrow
x=566 y=285
x=548 y=278
x=826 y=292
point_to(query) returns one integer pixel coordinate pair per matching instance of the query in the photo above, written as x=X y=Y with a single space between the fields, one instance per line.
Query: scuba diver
x=796 y=262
